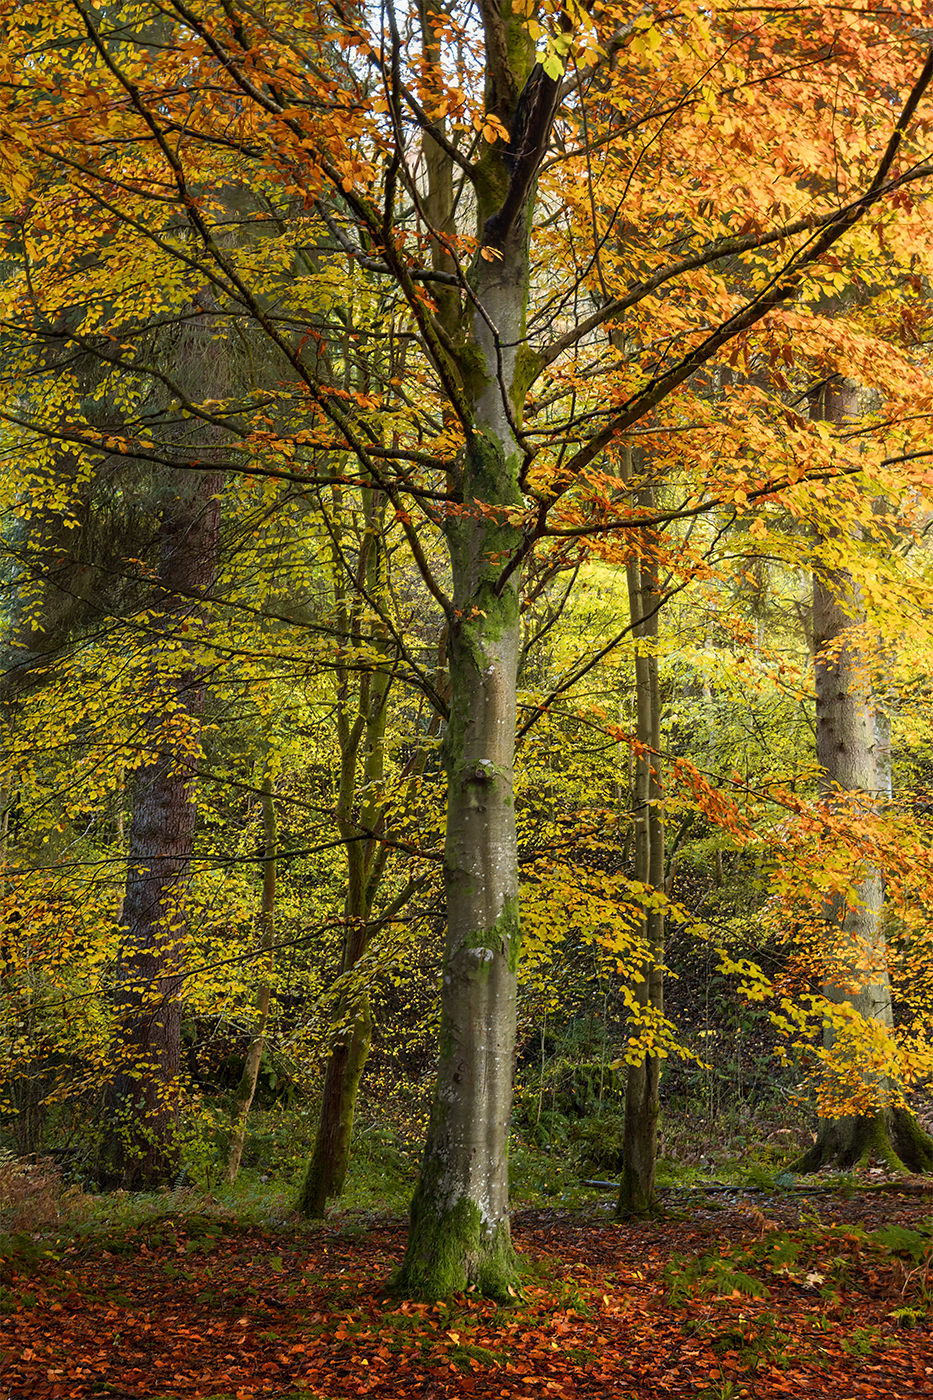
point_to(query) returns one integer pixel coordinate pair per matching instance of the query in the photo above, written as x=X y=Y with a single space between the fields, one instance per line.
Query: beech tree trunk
x=459 y=1236
x=637 y=1193
x=855 y=954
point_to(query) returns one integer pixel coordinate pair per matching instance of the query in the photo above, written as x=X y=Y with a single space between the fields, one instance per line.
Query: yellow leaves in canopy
x=860 y=1067
x=491 y=129
x=646 y=42
x=649 y=1033
x=562 y=900
x=16 y=175
x=61 y=939
x=752 y=984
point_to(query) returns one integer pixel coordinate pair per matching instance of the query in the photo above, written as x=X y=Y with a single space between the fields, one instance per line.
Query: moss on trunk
x=455 y=1251
x=892 y=1136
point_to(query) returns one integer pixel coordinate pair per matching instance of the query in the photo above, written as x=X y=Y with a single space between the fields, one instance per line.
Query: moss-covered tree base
x=456 y=1251
x=893 y=1136
x=634 y=1198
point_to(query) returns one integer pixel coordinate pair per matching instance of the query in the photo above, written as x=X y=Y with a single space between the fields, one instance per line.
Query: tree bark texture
x=141 y=1149
x=855 y=953
x=459 y=1236
x=637 y=1193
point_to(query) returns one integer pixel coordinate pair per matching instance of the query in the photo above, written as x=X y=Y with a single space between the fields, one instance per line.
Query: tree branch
x=448 y=279
x=724 y=248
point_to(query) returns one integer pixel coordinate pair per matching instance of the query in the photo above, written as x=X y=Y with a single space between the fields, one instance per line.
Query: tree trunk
x=637 y=1194
x=855 y=954
x=459 y=1236
x=360 y=814
x=246 y=1089
x=141 y=1149
x=891 y=1135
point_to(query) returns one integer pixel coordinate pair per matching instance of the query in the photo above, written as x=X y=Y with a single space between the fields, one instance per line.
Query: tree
x=643 y=1079
x=141 y=1148
x=857 y=983
x=364 y=681
x=246 y=1089
x=511 y=416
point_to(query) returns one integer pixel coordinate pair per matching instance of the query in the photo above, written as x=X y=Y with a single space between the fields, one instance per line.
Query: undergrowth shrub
x=30 y=1191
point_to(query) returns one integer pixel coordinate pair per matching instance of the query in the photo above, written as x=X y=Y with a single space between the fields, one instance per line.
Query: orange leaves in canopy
x=277 y=107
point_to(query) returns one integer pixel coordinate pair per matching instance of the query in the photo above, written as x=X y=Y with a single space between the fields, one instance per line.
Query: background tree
x=857 y=982
x=642 y=1085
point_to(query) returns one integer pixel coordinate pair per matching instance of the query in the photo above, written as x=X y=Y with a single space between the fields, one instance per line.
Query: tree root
x=893 y=1136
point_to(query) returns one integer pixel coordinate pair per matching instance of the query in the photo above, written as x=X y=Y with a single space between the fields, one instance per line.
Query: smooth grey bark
x=459 y=1231
x=845 y=750
x=855 y=959
x=459 y=1236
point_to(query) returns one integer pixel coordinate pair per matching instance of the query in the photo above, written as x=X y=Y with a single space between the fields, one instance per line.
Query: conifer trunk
x=140 y=1148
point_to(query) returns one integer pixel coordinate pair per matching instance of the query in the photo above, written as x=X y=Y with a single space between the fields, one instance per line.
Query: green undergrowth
x=827 y=1260
x=750 y=1340
x=383 y=1162
x=548 y=1169
x=26 y=1250
x=380 y=1182
x=540 y=1177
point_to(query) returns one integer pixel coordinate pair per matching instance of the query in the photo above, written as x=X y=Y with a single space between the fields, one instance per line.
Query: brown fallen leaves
x=195 y=1306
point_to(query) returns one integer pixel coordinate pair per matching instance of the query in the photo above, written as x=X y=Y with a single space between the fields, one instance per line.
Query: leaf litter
x=745 y=1299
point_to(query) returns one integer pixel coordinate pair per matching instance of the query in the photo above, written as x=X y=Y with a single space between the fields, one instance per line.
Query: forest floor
x=735 y=1294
